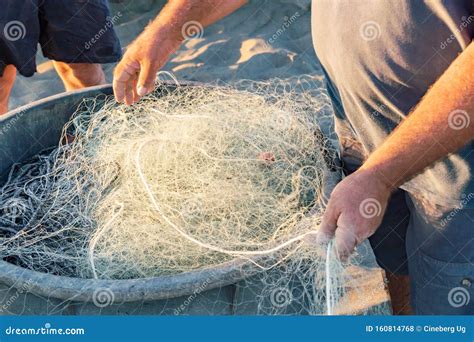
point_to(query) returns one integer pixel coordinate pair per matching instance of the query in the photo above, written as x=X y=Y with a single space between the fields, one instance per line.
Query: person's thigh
x=79 y=31
x=19 y=35
x=440 y=246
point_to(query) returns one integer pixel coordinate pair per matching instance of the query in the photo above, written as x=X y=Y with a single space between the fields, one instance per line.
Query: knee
x=82 y=74
x=88 y=74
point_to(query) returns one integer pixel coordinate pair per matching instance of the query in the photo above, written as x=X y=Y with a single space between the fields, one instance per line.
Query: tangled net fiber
x=189 y=178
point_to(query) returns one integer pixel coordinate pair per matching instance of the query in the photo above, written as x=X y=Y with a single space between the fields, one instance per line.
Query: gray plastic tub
x=26 y=131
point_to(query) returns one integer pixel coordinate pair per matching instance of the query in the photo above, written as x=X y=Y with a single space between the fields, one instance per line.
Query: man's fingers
x=124 y=74
x=146 y=79
x=119 y=90
x=326 y=231
x=129 y=93
x=134 y=91
x=328 y=224
x=346 y=242
x=120 y=79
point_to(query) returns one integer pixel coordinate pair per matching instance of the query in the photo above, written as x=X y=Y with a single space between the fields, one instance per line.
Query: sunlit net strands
x=187 y=179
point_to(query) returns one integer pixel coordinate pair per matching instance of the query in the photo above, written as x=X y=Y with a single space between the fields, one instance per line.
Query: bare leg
x=79 y=75
x=6 y=85
x=399 y=289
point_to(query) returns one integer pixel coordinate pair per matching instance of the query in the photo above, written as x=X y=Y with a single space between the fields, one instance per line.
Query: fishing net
x=189 y=178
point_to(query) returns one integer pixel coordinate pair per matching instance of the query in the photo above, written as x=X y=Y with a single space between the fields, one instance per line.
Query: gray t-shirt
x=380 y=57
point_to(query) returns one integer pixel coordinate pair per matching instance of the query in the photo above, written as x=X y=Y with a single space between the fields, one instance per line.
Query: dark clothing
x=72 y=31
x=380 y=59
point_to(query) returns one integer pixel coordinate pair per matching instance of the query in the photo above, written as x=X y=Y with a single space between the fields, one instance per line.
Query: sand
x=262 y=40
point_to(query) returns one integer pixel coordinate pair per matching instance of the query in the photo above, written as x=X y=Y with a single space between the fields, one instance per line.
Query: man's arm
x=134 y=76
x=442 y=123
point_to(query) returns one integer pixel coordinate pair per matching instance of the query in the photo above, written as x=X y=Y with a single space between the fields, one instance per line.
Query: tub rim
x=120 y=290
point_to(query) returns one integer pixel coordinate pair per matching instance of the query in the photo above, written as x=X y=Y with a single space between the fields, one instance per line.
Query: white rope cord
x=329 y=284
x=196 y=241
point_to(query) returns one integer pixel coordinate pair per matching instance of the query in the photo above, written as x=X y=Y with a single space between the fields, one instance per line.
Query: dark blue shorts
x=431 y=243
x=71 y=31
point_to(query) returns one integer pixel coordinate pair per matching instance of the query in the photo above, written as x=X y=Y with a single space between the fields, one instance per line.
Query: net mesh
x=187 y=179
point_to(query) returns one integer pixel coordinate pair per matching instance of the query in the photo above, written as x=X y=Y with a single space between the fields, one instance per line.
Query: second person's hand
x=135 y=75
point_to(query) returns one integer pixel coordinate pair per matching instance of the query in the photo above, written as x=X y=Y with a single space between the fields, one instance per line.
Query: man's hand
x=135 y=75
x=354 y=212
x=442 y=123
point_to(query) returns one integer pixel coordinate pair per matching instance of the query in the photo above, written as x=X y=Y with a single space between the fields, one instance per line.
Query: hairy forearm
x=134 y=76
x=442 y=123
x=173 y=17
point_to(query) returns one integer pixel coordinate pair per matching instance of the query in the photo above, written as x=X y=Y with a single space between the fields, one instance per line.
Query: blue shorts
x=71 y=31
x=434 y=245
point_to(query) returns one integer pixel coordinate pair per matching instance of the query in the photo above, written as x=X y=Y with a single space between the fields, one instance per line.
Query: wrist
x=375 y=177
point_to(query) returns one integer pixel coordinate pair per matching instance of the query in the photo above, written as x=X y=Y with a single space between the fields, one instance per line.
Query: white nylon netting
x=187 y=179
